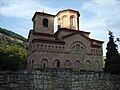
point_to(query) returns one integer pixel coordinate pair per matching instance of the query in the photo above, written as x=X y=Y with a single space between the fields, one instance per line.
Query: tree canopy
x=112 y=62
x=12 y=58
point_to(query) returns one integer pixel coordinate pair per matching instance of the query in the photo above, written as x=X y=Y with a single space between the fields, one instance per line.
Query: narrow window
x=45 y=22
x=44 y=65
x=58 y=63
x=72 y=22
x=64 y=21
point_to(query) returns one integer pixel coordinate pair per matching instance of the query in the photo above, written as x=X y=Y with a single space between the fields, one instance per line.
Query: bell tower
x=68 y=19
x=43 y=23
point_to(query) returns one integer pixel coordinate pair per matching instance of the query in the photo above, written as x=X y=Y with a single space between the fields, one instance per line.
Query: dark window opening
x=72 y=21
x=45 y=22
x=44 y=65
x=58 y=63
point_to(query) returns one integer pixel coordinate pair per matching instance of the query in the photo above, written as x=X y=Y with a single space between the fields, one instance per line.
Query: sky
x=96 y=16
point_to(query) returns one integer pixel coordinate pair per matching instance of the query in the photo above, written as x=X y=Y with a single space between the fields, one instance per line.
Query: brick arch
x=64 y=21
x=72 y=16
x=64 y=16
x=83 y=47
x=56 y=63
x=44 y=63
x=97 y=65
x=87 y=65
x=67 y=64
x=77 y=65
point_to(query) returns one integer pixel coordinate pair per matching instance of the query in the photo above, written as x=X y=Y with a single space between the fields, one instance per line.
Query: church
x=67 y=48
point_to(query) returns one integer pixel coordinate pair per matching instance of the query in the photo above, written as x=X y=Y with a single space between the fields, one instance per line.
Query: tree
x=12 y=58
x=112 y=62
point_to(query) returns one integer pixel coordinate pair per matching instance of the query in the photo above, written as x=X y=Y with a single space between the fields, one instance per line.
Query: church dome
x=68 y=19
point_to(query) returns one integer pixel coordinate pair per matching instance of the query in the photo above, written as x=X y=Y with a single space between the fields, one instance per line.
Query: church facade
x=68 y=47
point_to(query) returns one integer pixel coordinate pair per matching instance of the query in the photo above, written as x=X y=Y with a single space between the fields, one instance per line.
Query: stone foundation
x=58 y=79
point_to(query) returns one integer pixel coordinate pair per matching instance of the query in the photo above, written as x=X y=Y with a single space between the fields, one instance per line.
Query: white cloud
x=106 y=15
x=23 y=8
x=104 y=10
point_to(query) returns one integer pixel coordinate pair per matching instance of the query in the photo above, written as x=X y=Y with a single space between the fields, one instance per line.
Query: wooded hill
x=9 y=38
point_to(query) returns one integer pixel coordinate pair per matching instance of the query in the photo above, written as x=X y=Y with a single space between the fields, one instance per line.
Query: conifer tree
x=112 y=62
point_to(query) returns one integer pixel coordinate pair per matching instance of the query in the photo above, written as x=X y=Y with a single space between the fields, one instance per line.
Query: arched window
x=97 y=66
x=67 y=64
x=77 y=64
x=56 y=63
x=78 y=47
x=45 y=22
x=88 y=65
x=72 y=22
x=44 y=63
x=64 y=21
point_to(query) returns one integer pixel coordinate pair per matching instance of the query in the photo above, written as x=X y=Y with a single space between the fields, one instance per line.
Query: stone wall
x=58 y=79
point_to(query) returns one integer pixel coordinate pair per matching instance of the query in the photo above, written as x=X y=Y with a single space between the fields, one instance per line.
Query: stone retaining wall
x=58 y=79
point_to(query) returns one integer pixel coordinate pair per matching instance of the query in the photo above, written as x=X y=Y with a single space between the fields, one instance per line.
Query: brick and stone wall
x=58 y=79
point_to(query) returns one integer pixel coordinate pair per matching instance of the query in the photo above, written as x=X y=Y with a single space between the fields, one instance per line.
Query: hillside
x=9 y=38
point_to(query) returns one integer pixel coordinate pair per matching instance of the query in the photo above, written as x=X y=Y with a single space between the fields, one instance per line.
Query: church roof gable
x=80 y=33
x=70 y=30
x=42 y=14
x=69 y=35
